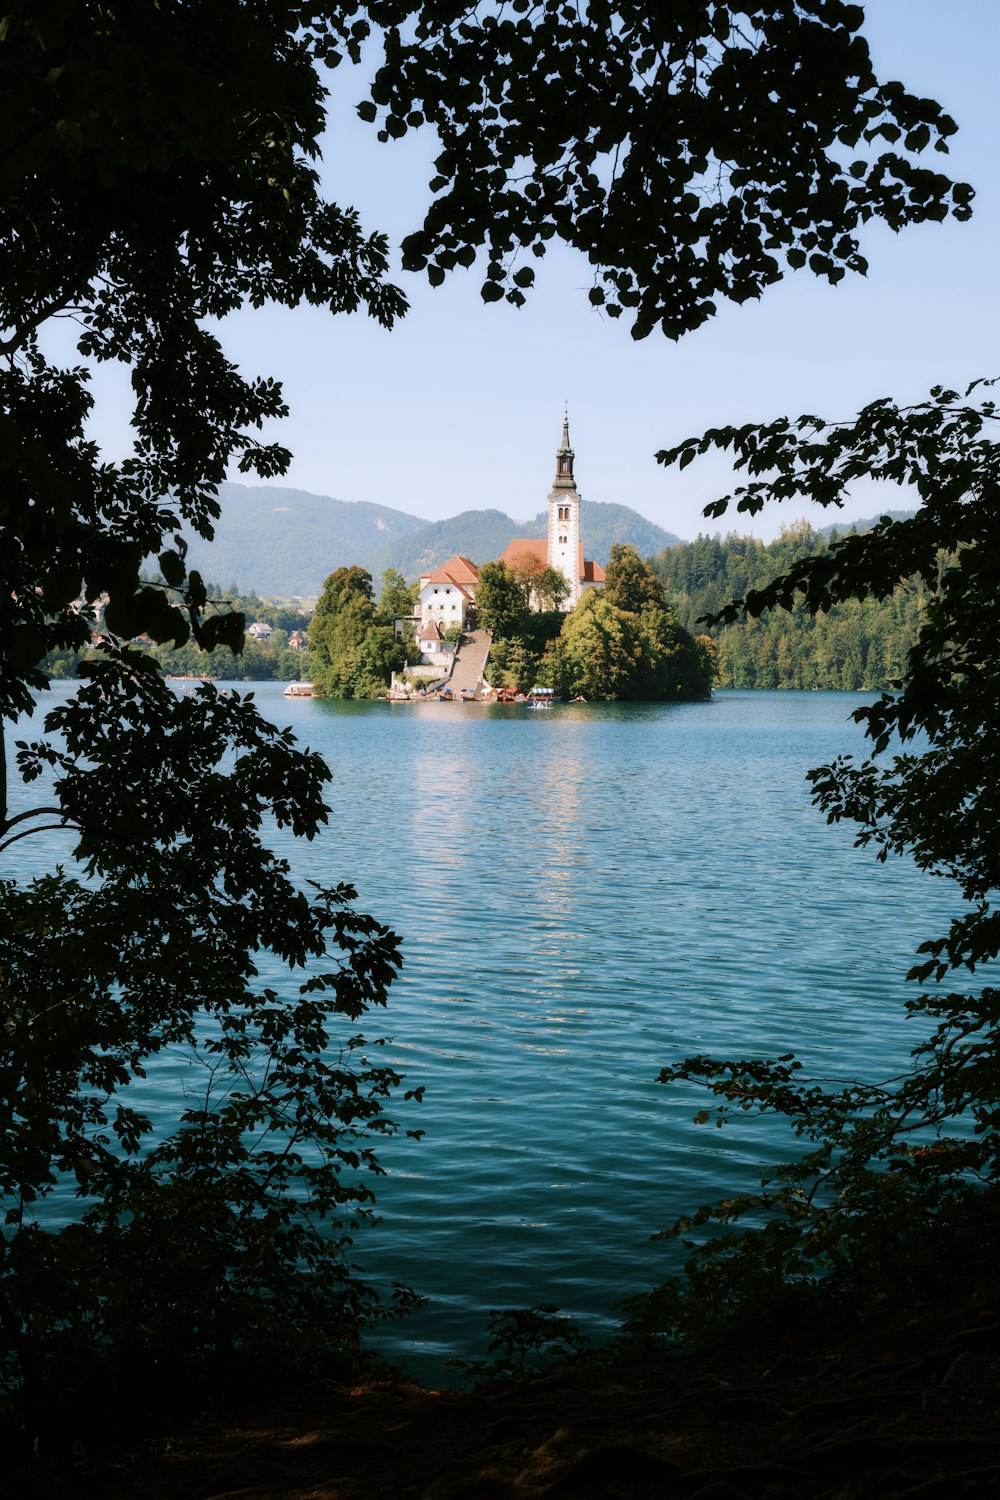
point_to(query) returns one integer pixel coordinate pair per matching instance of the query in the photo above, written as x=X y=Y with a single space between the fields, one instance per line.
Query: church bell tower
x=564 y=520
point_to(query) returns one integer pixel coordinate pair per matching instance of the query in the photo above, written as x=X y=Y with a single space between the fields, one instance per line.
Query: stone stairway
x=470 y=662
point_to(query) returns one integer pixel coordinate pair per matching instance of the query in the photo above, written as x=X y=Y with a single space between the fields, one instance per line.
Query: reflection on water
x=583 y=896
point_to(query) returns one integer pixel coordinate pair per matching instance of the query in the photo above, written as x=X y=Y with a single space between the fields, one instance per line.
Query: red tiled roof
x=457 y=570
x=590 y=572
x=525 y=546
x=532 y=546
x=429 y=632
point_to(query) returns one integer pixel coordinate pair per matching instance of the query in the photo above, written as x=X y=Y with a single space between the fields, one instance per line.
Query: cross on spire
x=564 y=457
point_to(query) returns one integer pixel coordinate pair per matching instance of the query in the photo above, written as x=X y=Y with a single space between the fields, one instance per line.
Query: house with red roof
x=446 y=594
x=433 y=650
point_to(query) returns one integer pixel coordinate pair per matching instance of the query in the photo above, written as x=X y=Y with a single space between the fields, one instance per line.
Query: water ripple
x=585 y=896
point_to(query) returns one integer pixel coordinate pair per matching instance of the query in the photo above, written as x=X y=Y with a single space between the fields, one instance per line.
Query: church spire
x=564 y=458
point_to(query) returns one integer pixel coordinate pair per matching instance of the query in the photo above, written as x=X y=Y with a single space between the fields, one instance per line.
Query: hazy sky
x=460 y=407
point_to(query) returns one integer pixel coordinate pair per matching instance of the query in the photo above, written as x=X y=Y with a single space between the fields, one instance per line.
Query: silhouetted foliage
x=156 y=176
x=898 y=1171
x=691 y=151
x=141 y=1248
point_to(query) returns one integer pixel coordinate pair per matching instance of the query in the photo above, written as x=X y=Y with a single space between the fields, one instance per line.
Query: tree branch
x=25 y=832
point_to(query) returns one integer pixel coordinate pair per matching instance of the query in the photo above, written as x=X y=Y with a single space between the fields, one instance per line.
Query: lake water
x=585 y=895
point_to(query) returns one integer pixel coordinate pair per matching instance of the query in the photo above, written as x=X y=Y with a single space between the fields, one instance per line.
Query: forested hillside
x=285 y=542
x=857 y=645
x=479 y=534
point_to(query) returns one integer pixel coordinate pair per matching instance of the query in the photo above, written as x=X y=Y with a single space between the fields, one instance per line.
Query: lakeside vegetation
x=853 y=645
x=270 y=659
x=354 y=646
x=602 y=649
x=622 y=642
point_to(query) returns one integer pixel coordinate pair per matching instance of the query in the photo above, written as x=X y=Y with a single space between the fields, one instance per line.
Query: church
x=562 y=549
x=446 y=594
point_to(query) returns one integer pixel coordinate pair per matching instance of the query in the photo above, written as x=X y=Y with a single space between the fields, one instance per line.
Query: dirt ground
x=887 y=1404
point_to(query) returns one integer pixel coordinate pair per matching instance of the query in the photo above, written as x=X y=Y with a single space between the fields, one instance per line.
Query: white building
x=446 y=594
x=433 y=650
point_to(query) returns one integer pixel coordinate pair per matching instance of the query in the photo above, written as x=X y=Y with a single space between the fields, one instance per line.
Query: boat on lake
x=299 y=690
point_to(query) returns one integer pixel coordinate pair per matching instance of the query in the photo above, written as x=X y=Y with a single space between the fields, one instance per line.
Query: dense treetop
x=353 y=648
x=620 y=642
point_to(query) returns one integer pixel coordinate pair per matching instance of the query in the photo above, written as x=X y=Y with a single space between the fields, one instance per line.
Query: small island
x=542 y=616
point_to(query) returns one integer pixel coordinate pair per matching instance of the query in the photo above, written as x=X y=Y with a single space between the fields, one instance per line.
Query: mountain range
x=285 y=542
